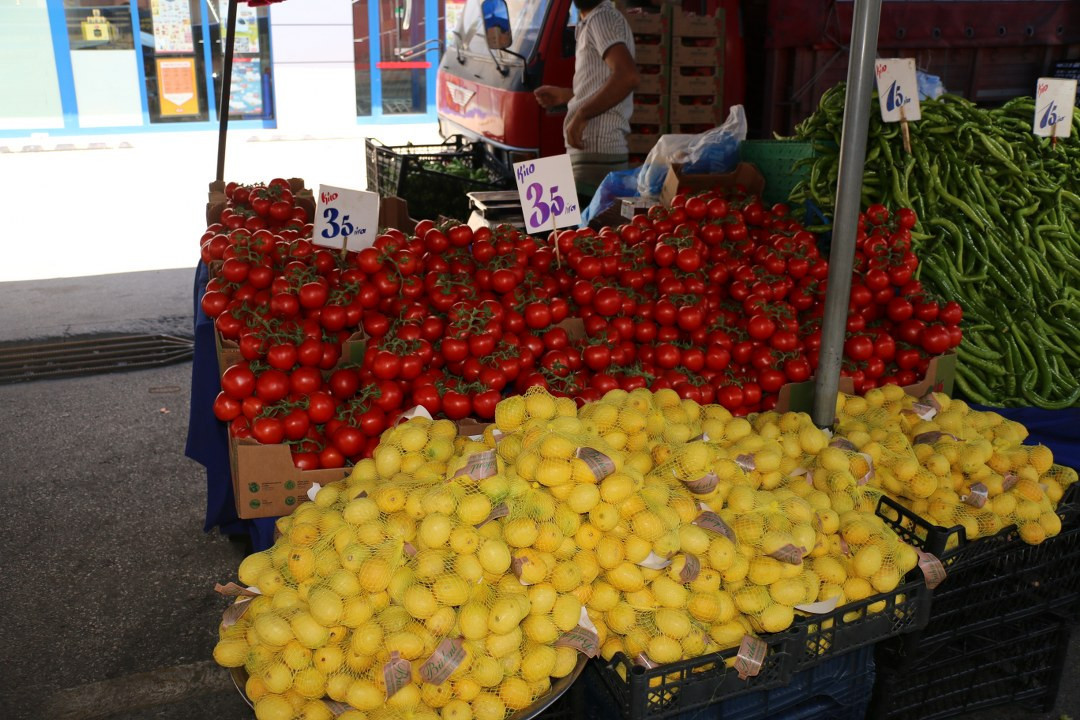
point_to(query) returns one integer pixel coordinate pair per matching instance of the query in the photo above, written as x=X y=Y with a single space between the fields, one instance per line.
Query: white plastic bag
x=714 y=151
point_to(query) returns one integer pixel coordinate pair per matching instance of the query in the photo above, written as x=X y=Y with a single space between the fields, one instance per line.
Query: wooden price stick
x=905 y=131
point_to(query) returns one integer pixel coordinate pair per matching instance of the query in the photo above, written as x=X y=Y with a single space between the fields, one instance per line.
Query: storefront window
x=104 y=63
x=362 y=57
x=251 y=95
x=99 y=24
x=172 y=50
x=397 y=84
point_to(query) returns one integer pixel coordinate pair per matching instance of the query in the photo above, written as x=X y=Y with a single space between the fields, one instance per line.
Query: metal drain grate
x=46 y=360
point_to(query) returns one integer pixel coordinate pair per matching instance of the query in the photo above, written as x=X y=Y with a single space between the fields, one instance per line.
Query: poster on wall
x=177 y=92
x=172 y=26
x=246 y=96
x=247 y=27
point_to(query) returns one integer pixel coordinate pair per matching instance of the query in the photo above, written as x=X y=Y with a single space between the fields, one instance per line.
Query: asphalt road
x=107 y=575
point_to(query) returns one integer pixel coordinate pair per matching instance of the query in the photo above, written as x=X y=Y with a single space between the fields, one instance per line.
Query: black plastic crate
x=1019 y=662
x=860 y=624
x=420 y=175
x=992 y=581
x=672 y=690
x=838 y=688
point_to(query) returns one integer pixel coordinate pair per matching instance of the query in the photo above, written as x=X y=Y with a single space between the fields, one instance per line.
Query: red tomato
x=271 y=386
x=295 y=424
x=386 y=365
x=859 y=347
x=935 y=339
x=607 y=301
x=343 y=384
x=268 y=430
x=238 y=382
x=226 y=407
x=349 y=440
x=730 y=396
x=760 y=327
x=456 y=405
x=321 y=407
x=667 y=356
x=951 y=313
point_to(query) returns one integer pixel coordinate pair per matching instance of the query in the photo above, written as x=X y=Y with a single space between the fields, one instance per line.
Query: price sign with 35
x=346 y=218
x=898 y=89
x=1054 y=98
x=548 y=194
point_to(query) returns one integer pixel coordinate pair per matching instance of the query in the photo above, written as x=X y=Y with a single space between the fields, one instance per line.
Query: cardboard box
x=799 y=397
x=691 y=128
x=693 y=55
x=682 y=112
x=681 y=84
x=394 y=213
x=744 y=174
x=641 y=143
x=649 y=114
x=651 y=54
x=686 y=24
x=940 y=377
x=646 y=21
x=631 y=206
x=265 y=481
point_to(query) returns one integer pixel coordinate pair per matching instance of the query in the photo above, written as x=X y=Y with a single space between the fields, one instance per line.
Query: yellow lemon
x=273 y=707
x=494 y=556
x=867 y=561
x=776 y=618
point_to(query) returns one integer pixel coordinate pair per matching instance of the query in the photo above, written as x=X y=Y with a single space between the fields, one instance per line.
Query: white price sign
x=898 y=90
x=1054 y=100
x=548 y=194
x=344 y=217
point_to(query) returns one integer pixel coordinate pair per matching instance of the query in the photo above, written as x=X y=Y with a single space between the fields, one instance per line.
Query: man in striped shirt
x=601 y=100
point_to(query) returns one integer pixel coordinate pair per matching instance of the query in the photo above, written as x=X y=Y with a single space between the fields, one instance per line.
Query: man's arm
x=550 y=96
x=624 y=80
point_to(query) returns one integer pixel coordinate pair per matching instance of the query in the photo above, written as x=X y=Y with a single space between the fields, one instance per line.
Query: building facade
x=71 y=67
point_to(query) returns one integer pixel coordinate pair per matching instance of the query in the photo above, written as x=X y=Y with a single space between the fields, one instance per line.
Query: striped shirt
x=601 y=28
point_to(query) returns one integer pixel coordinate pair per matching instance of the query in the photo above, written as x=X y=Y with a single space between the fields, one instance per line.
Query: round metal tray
x=561 y=685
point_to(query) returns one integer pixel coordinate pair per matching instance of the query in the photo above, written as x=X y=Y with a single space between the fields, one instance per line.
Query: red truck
x=486 y=92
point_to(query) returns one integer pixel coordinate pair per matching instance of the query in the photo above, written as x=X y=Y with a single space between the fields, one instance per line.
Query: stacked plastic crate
x=697 y=72
x=999 y=624
x=652 y=37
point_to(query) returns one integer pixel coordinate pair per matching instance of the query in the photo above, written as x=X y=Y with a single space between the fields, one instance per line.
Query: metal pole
x=860 y=84
x=226 y=90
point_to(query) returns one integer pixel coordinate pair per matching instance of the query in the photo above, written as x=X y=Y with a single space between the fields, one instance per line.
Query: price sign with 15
x=898 y=89
x=346 y=218
x=547 y=193
x=1054 y=98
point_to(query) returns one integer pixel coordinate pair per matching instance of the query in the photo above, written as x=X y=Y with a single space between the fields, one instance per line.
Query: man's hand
x=575 y=131
x=550 y=96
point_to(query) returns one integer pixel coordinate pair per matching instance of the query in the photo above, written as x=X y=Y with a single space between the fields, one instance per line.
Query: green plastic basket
x=776 y=159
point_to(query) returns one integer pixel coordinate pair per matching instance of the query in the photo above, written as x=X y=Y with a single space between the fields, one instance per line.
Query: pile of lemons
x=455 y=577
x=956 y=466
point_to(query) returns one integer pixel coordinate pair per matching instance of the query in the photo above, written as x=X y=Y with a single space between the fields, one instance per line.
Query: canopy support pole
x=860 y=84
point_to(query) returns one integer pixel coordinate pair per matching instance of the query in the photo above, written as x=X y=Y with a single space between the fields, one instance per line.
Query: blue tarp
x=208 y=440
x=1059 y=430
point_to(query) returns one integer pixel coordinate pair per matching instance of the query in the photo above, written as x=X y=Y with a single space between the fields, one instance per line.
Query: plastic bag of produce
x=618 y=184
x=715 y=151
x=930 y=86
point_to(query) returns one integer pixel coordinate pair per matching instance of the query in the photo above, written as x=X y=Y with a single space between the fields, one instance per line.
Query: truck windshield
x=526 y=20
